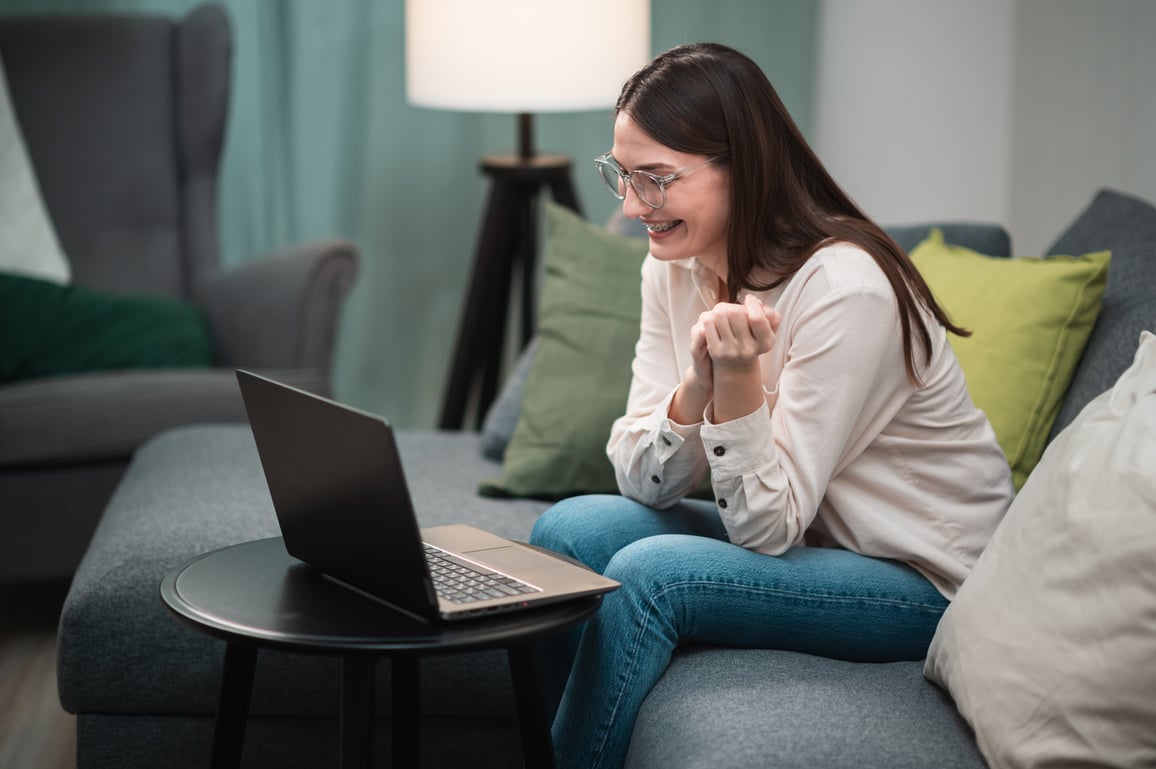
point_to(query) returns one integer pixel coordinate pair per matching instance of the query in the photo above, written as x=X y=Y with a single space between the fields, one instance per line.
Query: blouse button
x=666 y=440
x=719 y=451
x=722 y=503
x=656 y=479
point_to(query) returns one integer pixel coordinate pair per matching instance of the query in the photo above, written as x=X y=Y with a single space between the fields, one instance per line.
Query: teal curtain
x=321 y=142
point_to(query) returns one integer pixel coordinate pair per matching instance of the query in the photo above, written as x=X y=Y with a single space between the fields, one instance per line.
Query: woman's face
x=694 y=220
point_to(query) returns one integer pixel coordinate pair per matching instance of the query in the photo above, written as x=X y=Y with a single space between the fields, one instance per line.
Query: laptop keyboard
x=461 y=582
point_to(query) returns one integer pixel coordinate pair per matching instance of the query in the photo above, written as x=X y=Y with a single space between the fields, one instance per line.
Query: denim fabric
x=683 y=582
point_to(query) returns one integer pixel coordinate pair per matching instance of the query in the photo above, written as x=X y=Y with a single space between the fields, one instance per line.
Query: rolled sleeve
x=750 y=487
x=657 y=461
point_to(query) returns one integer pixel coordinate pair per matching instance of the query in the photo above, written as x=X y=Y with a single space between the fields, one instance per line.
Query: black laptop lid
x=339 y=492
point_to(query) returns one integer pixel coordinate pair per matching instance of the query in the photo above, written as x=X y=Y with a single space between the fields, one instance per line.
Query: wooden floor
x=35 y=732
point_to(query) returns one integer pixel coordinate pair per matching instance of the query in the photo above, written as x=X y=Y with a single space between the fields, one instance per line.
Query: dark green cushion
x=48 y=329
x=578 y=381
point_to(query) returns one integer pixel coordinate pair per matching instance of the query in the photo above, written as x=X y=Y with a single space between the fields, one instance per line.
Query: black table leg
x=233 y=706
x=357 y=712
x=405 y=700
x=537 y=747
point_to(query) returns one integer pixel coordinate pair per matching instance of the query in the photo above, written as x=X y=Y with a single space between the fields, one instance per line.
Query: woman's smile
x=659 y=230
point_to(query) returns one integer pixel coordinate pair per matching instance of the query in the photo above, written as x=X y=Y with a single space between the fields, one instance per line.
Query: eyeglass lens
x=645 y=187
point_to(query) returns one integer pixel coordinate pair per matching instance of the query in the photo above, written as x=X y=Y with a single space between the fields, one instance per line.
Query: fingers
x=759 y=324
x=698 y=341
x=735 y=331
x=702 y=367
x=773 y=317
x=724 y=323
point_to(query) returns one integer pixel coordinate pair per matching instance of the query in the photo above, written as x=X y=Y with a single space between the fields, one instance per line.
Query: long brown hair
x=708 y=99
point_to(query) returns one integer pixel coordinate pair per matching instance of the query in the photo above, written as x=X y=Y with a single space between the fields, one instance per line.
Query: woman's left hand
x=735 y=335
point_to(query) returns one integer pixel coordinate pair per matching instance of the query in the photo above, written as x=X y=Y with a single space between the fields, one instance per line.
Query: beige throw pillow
x=1049 y=649
x=28 y=244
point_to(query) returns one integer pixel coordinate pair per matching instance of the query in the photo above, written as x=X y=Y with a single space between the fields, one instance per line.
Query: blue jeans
x=683 y=582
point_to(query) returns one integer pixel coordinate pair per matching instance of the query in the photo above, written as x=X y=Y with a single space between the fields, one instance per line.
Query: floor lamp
x=521 y=57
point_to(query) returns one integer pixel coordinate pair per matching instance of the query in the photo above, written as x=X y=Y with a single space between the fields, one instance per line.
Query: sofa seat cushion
x=754 y=708
x=104 y=416
x=194 y=489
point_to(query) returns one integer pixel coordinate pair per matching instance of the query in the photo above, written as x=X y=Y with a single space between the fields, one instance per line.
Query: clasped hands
x=725 y=345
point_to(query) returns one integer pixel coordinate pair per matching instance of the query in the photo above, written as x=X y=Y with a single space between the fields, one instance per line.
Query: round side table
x=255 y=595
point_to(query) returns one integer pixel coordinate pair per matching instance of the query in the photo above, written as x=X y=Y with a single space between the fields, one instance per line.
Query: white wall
x=1008 y=110
x=1084 y=112
x=912 y=114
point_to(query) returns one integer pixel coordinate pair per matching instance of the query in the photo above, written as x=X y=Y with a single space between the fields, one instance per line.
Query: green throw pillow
x=48 y=329
x=578 y=382
x=1030 y=319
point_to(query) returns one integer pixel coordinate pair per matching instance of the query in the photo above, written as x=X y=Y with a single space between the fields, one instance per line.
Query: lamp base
x=507 y=242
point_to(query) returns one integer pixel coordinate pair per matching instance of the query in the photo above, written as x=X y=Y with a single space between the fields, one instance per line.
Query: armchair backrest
x=124 y=119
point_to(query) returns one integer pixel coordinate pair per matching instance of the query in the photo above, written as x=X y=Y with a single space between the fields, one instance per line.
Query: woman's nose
x=632 y=205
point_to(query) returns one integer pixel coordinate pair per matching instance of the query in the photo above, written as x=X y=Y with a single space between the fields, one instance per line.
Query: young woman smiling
x=789 y=350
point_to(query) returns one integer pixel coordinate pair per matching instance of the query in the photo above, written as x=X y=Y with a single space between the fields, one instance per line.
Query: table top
x=256 y=592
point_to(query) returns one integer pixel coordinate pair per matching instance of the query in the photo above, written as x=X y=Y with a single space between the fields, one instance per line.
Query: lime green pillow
x=1030 y=319
x=580 y=375
x=48 y=329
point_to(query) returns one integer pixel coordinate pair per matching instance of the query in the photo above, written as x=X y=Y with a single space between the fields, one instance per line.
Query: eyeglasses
x=650 y=189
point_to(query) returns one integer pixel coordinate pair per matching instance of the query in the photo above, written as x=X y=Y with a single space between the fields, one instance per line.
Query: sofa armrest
x=281 y=310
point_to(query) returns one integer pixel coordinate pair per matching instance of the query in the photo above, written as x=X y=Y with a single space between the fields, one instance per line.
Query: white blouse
x=846 y=451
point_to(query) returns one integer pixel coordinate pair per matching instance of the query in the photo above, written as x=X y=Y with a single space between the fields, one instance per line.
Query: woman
x=789 y=349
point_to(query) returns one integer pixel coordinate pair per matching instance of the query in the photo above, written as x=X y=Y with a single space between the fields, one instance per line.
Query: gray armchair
x=124 y=120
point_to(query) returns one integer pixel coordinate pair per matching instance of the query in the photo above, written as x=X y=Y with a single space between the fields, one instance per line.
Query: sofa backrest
x=123 y=117
x=1126 y=226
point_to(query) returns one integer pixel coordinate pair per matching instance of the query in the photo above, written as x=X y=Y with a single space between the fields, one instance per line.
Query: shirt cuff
x=667 y=436
x=739 y=446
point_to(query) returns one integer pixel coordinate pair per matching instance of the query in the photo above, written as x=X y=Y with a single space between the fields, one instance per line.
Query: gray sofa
x=124 y=120
x=143 y=687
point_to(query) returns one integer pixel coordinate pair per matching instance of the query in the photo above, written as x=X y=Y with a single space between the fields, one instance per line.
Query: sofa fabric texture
x=1126 y=226
x=142 y=685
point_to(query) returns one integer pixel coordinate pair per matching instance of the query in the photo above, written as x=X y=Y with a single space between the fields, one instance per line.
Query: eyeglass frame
x=627 y=176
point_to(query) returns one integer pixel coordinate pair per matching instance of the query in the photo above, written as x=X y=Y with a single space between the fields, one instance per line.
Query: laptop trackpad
x=512 y=559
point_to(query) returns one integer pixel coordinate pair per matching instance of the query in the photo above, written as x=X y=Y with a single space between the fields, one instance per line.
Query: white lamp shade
x=523 y=55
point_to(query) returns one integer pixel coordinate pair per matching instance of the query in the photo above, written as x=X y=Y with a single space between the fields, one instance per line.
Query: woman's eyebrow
x=648 y=167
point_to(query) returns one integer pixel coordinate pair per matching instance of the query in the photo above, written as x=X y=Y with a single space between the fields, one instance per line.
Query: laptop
x=341 y=499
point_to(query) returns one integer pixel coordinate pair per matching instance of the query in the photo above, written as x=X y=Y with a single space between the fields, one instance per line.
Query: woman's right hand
x=697 y=387
x=698 y=381
x=701 y=371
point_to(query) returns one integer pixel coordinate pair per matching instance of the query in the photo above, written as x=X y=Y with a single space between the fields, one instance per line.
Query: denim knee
x=558 y=527
x=573 y=525
x=649 y=563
